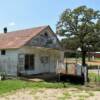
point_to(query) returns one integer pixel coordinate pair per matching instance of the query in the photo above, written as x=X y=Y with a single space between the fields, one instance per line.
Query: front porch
x=38 y=60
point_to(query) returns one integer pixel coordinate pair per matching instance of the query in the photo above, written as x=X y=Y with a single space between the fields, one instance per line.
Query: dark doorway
x=29 y=62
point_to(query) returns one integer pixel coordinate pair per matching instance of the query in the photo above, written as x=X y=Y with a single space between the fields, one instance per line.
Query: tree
x=82 y=23
x=70 y=43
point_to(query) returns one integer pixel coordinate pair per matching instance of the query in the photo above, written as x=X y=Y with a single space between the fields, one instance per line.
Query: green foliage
x=70 y=43
x=82 y=24
x=70 y=55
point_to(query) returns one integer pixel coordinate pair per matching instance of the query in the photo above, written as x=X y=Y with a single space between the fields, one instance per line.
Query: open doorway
x=29 y=62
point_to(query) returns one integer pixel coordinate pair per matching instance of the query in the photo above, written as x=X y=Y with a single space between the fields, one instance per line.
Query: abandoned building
x=30 y=51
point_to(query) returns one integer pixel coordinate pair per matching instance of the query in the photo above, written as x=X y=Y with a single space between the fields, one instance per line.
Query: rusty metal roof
x=16 y=39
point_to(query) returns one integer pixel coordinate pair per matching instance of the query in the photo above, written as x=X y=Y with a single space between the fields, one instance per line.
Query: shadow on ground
x=51 y=77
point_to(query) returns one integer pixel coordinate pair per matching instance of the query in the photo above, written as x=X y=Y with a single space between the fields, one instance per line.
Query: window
x=29 y=62
x=3 y=52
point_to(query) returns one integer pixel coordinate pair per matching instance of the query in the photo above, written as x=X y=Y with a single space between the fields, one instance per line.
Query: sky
x=21 y=14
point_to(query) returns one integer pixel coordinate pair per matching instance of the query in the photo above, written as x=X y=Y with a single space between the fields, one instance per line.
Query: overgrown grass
x=10 y=85
x=94 y=77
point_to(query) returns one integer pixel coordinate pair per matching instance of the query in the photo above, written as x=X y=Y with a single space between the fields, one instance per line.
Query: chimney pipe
x=5 y=29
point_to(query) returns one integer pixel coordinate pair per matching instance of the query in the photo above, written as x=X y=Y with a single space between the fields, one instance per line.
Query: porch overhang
x=47 y=48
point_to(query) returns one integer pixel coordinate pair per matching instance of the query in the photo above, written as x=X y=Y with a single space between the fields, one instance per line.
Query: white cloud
x=12 y=24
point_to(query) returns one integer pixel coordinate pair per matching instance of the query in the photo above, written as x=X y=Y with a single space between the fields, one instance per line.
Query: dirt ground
x=52 y=94
x=94 y=62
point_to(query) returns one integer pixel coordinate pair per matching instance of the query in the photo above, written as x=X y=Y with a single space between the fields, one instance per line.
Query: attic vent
x=46 y=34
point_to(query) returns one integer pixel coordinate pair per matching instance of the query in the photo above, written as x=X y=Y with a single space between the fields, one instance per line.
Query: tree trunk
x=83 y=58
x=84 y=66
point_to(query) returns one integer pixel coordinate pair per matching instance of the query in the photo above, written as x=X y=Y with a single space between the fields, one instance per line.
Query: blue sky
x=19 y=14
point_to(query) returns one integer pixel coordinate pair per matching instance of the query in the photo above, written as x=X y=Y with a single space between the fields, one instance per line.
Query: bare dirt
x=92 y=62
x=52 y=94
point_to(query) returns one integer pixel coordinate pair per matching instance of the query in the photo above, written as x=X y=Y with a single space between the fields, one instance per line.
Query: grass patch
x=91 y=94
x=81 y=98
x=11 y=85
x=62 y=98
x=7 y=86
x=94 y=77
x=84 y=96
x=65 y=96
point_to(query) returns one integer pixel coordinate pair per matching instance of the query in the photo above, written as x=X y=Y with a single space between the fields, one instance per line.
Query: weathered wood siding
x=9 y=62
x=50 y=66
x=43 y=45
x=45 y=39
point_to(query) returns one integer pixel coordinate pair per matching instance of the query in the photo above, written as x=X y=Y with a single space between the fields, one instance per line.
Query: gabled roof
x=19 y=38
